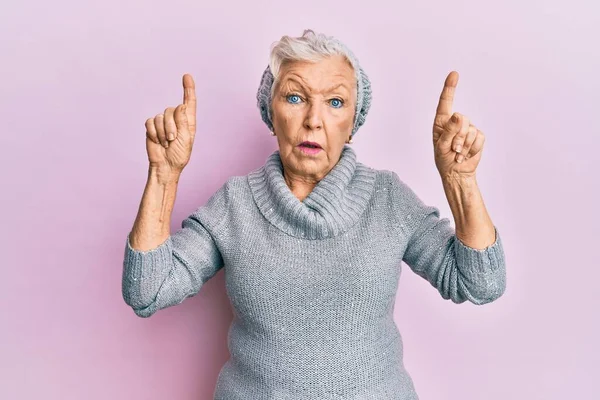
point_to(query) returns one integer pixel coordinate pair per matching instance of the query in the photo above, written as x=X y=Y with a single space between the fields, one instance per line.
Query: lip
x=307 y=142
x=310 y=150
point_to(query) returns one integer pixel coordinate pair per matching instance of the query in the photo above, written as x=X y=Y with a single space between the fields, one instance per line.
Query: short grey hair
x=311 y=47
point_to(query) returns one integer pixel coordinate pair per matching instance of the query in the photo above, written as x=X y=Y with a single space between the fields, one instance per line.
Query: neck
x=332 y=206
x=300 y=187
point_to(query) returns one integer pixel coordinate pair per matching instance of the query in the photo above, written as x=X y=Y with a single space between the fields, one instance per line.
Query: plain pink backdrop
x=79 y=79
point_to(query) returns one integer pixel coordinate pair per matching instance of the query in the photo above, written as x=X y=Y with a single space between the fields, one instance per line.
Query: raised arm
x=160 y=269
x=474 y=272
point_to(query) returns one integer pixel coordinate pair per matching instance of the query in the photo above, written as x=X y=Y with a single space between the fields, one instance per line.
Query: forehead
x=318 y=76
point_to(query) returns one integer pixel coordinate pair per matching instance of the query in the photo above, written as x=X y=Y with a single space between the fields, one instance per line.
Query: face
x=313 y=102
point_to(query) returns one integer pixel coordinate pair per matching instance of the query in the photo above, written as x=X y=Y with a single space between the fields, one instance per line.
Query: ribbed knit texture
x=313 y=283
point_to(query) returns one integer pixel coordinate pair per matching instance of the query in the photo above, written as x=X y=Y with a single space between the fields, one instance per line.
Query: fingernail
x=458 y=148
x=171 y=136
x=166 y=145
x=454 y=118
x=460 y=158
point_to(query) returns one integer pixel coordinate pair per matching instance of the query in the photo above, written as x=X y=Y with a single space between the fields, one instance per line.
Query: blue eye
x=338 y=103
x=293 y=98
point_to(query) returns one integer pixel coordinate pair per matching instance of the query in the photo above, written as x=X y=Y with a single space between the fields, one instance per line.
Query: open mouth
x=310 y=145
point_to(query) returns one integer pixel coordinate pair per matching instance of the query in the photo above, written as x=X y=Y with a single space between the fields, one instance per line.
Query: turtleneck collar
x=335 y=204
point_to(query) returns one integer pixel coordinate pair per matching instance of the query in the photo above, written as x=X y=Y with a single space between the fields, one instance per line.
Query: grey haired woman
x=311 y=242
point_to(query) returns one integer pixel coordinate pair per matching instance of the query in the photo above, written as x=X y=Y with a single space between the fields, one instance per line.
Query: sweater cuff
x=480 y=260
x=140 y=264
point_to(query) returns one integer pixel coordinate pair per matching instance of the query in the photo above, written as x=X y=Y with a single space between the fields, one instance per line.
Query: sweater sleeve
x=434 y=252
x=178 y=267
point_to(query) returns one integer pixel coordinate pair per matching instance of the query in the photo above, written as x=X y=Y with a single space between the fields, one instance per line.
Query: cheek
x=343 y=119
x=349 y=120
x=289 y=116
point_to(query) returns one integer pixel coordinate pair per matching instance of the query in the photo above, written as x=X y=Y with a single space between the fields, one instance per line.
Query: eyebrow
x=329 y=90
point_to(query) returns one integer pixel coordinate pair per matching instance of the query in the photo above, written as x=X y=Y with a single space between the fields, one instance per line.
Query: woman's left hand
x=457 y=143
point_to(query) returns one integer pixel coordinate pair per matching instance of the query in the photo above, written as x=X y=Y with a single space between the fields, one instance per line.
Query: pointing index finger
x=447 y=97
x=189 y=92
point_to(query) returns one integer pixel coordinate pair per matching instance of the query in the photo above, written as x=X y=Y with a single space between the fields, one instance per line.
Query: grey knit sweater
x=312 y=283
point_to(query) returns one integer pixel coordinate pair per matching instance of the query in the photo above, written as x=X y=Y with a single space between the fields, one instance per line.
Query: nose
x=314 y=119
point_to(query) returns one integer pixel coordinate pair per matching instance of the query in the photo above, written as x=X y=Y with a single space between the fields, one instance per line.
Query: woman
x=312 y=240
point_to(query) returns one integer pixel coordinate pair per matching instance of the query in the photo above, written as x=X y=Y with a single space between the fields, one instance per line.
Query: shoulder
x=216 y=209
x=395 y=183
x=229 y=189
x=390 y=180
x=381 y=176
x=404 y=199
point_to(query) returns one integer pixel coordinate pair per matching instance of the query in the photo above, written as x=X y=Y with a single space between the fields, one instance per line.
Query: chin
x=311 y=164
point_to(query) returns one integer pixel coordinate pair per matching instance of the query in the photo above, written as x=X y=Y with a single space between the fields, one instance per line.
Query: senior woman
x=312 y=241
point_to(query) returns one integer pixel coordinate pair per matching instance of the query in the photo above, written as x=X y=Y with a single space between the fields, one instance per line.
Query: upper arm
x=428 y=237
x=434 y=252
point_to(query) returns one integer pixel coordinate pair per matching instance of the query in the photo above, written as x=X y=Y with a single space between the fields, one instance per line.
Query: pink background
x=80 y=78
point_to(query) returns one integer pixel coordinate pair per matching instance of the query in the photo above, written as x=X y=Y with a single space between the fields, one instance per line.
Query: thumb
x=452 y=127
x=454 y=123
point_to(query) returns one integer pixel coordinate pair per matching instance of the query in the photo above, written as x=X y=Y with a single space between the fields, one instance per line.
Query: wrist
x=461 y=192
x=163 y=174
x=459 y=180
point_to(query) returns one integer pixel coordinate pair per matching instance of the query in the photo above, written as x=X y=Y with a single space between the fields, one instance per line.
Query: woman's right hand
x=170 y=135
